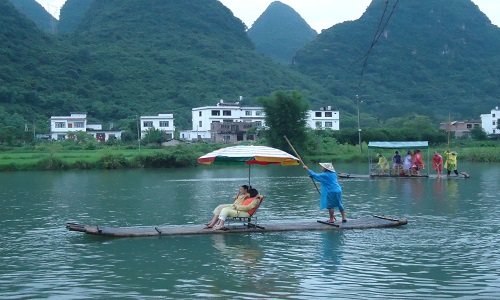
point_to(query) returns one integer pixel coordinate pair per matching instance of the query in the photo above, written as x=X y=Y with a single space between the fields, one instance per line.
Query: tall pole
x=139 y=133
x=359 y=128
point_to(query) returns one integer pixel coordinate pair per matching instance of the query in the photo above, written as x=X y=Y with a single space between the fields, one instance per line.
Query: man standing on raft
x=331 y=192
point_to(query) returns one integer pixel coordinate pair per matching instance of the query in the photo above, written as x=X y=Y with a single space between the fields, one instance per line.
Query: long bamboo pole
x=301 y=161
x=449 y=131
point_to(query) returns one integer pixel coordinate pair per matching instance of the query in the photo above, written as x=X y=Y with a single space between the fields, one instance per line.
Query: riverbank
x=41 y=159
x=56 y=157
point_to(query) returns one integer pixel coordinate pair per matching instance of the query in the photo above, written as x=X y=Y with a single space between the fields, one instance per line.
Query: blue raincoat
x=331 y=192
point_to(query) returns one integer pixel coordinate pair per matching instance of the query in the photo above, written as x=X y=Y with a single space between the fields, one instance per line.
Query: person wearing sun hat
x=331 y=192
x=451 y=162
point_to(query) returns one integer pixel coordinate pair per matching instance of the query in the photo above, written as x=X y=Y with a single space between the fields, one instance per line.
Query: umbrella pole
x=249 y=166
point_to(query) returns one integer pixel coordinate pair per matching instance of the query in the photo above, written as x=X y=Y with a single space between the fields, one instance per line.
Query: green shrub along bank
x=108 y=158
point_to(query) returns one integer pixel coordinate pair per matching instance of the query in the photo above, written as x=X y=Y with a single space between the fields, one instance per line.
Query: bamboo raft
x=376 y=221
x=461 y=175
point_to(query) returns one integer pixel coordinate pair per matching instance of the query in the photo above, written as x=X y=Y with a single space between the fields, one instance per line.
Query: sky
x=319 y=14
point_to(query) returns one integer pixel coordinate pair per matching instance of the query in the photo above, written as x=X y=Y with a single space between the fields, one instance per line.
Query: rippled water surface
x=449 y=249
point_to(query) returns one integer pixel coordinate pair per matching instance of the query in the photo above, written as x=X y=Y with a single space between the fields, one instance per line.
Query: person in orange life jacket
x=331 y=192
x=246 y=208
x=242 y=195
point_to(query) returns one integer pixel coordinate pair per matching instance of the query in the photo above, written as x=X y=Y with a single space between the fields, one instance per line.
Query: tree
x=477 y=133
x=153 y=135
x=285 y=115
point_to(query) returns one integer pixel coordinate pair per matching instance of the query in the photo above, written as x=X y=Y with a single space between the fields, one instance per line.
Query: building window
x=493 y=123
x=226 y=112
x=201 y=124
x=318 y=124
x=318 y=114
x=79 y=124
x=147 y=123
x=248 y=113
x=492 y=115
x=258 y=113
x=227 y=138
x=199 y=113
x=328 y=125
x=61 y=137
x=215 y=112
x=60 y=125
x=328 y=114
x=258 y=123
x=469 y=126
x=163 y=123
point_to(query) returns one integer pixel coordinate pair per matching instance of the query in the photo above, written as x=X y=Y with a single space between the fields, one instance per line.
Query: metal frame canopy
x=398 y=145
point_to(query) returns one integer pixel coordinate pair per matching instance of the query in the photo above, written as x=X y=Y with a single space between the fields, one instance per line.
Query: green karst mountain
x=128 y=58
x=35 y=12
x=435 y=57
x=72 y=14
x=31 y=70
x=280 y=32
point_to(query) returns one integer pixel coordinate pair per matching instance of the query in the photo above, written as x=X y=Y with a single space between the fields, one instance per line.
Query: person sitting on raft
x=418 y=162
x=245 y=209
x=242 y=195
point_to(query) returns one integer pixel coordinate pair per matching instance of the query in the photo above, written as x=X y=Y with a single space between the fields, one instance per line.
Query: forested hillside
x=129 y=57
x=280 y=32
x=32 y=72
x=435 y=57
x=35 y=12
x=149 y=57
x=72 y=14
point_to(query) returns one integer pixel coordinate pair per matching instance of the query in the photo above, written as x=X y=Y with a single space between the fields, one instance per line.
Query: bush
x=50 y=163
x=113 y=161
x=83 y=165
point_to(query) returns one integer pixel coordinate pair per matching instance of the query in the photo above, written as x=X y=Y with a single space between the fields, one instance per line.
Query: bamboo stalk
x=301 y=161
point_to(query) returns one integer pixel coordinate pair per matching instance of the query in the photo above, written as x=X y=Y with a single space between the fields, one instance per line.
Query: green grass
x=62 y=158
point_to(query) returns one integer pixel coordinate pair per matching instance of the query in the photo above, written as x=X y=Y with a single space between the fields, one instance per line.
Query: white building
x=64 y=127
x=61 y=126
x=489 y=122
x=324 y=118
x=203 y=117
x=163 y=122
x=101 y=135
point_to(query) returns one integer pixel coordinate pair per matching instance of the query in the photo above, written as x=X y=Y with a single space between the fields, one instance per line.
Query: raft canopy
x=399 y=145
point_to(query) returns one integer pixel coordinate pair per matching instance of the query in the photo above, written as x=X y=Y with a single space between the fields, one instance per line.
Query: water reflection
x=449 y=248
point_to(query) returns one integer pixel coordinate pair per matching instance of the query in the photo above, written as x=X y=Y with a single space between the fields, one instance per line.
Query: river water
x=449 y=249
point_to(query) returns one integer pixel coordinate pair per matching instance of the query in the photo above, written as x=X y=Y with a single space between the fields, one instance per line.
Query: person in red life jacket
x=245 y=209
x=437 y=163
x=238 y=200
x=418 y=162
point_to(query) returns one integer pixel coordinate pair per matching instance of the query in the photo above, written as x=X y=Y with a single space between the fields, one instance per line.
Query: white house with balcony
x=203 y=117
x=62 y=126
x=489 y=122
x=324 y=118
x=163 y=122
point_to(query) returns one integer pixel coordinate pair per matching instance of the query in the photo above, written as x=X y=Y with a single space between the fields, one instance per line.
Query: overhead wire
x=376 y=37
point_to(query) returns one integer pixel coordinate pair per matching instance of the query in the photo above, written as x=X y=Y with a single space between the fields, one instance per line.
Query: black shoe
x=344 y=221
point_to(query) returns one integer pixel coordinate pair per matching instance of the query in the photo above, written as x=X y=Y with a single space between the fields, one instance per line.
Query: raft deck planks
x=363 y=223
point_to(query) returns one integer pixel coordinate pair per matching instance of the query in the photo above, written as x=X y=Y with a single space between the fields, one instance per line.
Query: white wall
x=157 y=123
x=323 y=121
x=489 y=121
